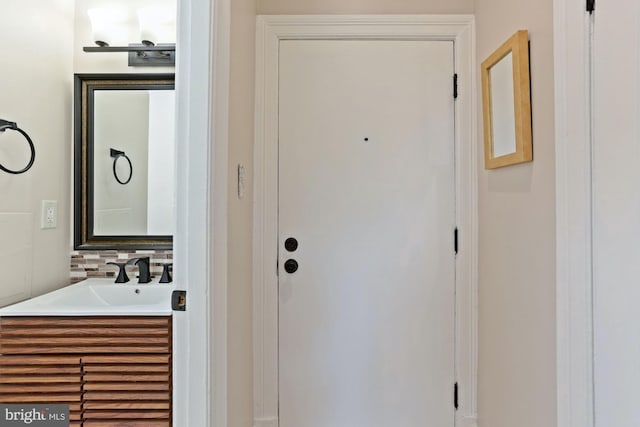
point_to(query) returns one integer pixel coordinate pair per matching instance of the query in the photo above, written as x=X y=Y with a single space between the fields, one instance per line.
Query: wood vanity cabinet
x=42 y=380
x=111 y=371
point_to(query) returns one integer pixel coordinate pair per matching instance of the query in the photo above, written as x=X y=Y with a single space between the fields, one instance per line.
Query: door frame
x=573 y=27
x=200 y=242
x=460 y=29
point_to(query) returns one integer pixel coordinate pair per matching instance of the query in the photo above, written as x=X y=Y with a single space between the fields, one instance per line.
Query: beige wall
x=35 y=91
x=274 y=7
x=517 y=376
x=240 y=300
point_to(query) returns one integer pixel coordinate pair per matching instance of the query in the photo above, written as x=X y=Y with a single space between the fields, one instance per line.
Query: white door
x=616 y=212
x=366 y=187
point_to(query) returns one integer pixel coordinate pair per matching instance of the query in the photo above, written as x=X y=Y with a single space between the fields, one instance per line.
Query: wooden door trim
x=460 y=29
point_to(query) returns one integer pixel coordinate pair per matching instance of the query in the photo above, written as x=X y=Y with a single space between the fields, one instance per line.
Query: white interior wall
x=35 y=91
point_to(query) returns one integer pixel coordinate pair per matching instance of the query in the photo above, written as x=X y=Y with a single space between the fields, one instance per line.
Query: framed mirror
x=506 y=104
x=124 y=161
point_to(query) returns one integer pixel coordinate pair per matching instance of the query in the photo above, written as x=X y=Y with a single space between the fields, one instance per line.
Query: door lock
x=291 y=266
x=291 y=244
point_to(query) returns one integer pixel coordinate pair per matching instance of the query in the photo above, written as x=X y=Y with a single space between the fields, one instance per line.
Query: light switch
x=241 y=184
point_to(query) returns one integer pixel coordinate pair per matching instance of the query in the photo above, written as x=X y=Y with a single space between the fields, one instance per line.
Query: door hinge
x=455 y=86
x=591 y=6
x=455 y=241
x=179 y=301
x=455 y=396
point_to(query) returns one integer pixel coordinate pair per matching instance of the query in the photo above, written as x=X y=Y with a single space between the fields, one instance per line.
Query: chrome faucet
x=144 y=275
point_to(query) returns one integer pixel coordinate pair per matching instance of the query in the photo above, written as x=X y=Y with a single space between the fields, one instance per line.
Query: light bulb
x=107 y=25
x=157 y=24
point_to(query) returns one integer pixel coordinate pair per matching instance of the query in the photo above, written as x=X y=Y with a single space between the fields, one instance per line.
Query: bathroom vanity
x=108 y=357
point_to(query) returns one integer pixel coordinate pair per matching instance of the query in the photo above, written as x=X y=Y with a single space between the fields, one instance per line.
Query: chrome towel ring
x=4 y=125
x=116 y=154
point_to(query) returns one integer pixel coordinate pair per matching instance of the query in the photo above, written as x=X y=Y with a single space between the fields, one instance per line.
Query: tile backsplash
x=86 y=264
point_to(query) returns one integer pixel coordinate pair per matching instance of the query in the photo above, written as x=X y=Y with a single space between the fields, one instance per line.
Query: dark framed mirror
x=124 y=161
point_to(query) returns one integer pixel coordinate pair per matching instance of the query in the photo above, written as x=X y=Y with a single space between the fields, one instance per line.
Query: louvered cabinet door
x=42 y=380
x=131 y=386
x=113 y=371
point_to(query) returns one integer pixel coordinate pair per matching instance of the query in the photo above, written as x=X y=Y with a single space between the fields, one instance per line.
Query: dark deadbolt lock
x=291 y=266
x=291 y=244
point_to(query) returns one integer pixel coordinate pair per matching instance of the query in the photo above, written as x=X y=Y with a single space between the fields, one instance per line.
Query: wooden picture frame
x=506 y=104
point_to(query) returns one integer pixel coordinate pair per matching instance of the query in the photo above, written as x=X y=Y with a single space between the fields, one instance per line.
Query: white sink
x=100 y=297
x=131 y=294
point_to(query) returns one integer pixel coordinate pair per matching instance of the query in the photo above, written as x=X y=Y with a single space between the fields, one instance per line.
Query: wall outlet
x=49 y=214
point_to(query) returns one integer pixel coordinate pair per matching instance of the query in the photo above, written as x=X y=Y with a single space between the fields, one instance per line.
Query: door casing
x=200 y=241
x=460 y=30
x=573 y=28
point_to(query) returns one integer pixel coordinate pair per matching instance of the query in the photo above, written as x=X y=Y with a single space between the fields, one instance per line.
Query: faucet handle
x=144 y=273
x=166 y=273
x=122 y=274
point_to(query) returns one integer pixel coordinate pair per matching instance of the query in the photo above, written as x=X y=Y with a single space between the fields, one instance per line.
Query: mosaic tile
x=88 y=264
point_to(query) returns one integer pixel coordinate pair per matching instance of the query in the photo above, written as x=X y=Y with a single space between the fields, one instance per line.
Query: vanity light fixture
x=156 y=24
x=146 y=55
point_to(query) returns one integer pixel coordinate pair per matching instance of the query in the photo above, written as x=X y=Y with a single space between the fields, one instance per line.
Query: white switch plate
x=49 y=214
x=241 y=184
